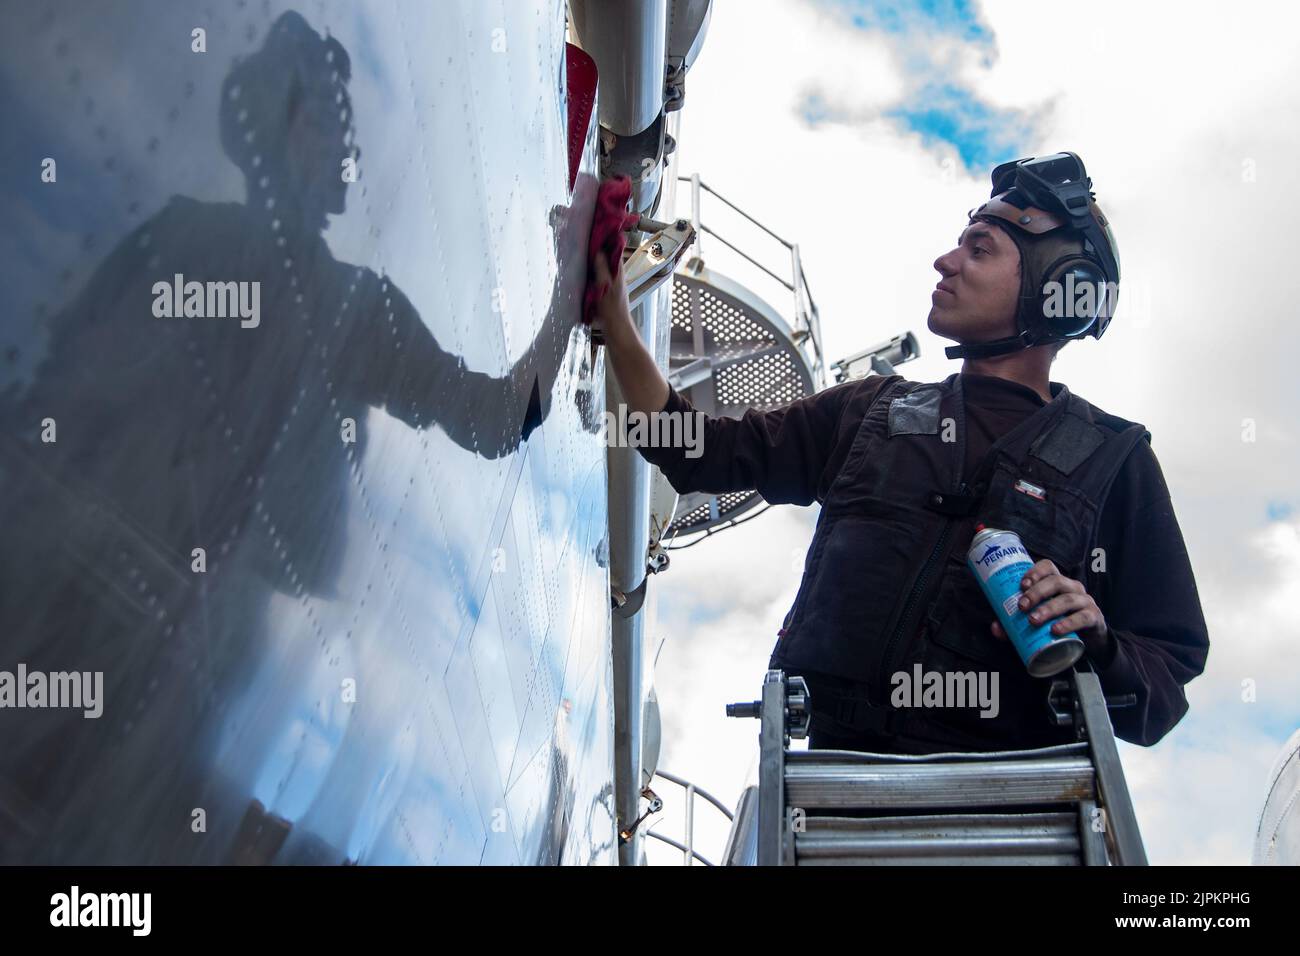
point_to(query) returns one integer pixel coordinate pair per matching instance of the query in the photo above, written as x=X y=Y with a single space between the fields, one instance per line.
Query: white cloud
x=1173 y=114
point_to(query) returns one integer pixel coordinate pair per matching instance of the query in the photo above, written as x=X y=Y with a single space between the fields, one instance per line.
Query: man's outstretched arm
x=781 y=453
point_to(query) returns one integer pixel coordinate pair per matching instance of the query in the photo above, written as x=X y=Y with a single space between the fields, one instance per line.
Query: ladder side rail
x=1120 y=819
x=771 y=772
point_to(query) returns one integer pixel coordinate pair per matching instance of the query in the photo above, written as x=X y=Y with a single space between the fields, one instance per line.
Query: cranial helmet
x=1069 y=261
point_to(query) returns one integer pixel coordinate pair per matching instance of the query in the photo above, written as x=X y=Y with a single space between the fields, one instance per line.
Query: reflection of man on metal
x=905 y=470
x=286 y=121
x=241 y=414
x=191 y=431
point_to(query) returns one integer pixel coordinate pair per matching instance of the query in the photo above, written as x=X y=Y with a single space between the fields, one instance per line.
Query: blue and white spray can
x=999 y=561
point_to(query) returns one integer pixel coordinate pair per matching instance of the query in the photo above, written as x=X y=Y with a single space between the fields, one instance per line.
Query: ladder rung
x=966 y=784
x=1035 y=806
x=942 y=822
x=1023 y=835
x=1059 y=859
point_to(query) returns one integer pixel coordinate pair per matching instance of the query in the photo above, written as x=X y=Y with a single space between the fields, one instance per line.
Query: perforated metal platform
x=729 y=351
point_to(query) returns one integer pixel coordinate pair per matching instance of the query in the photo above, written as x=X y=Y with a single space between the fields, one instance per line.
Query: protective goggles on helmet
x=1061 y=190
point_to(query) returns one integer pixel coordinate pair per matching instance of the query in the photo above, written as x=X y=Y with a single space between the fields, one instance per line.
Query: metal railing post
x=692 y=791
x=695 y=212
x=690 y=822
x=800 y=319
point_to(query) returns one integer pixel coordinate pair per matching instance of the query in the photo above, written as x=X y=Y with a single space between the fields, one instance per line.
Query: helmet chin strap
x=1014 y=343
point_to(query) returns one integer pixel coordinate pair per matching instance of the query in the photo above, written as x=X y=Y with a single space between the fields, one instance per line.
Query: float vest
x=886 y=584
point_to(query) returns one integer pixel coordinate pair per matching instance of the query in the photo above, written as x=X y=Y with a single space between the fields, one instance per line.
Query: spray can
x=999 y=561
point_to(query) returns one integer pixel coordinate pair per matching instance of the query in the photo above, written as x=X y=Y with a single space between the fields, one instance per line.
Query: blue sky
x=935 y=106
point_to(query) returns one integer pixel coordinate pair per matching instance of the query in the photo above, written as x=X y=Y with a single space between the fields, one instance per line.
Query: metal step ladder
x=1065 y=805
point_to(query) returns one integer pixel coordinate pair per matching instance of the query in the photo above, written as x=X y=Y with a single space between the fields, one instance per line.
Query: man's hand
x=1051 y=594
x=643 y=385
x=612 y=315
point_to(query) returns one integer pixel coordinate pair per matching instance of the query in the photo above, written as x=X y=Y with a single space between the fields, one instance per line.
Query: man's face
x=317 y=142
x=975 y=299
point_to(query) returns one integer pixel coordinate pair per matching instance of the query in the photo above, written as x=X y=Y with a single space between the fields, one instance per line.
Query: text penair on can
x=1000 y=561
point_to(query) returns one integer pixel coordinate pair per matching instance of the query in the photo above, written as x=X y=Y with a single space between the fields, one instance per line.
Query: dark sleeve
x=1149 y=598
x=398 y=365
x=781 y=453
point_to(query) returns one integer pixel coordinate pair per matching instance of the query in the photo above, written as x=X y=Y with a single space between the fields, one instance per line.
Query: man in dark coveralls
x=905 y=470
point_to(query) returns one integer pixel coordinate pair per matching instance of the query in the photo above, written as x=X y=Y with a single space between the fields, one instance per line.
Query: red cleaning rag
x=607 y=227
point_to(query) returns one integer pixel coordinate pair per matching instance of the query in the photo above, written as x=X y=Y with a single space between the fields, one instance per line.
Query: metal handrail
x=681 y=846
x=692 y=791
x=746 y=255
x=807 y=319
x=786 y=242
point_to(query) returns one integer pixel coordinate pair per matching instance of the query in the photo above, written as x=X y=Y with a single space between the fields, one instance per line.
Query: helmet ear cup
x=1074 y=298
